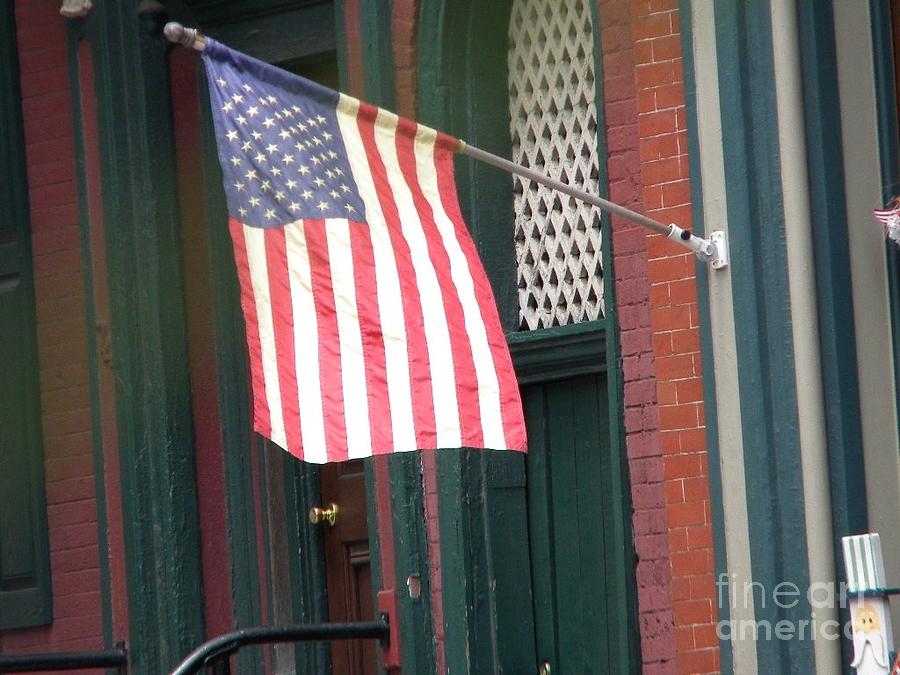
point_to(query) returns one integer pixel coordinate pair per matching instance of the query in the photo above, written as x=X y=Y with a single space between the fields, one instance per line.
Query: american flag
x=371 y=325
x=889 y=217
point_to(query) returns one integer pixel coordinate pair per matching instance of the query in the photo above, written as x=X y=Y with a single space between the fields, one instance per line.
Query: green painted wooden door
x=24 y=558
x=24 y=573
x=572 y=506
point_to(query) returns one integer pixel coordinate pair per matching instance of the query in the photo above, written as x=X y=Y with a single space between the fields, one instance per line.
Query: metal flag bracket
x=713 y=250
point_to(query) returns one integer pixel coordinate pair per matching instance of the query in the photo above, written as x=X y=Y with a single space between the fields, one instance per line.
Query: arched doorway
x=520 y=79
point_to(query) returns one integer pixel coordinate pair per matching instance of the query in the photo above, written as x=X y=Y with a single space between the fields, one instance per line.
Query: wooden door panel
x=348 y=565
x=568 y=497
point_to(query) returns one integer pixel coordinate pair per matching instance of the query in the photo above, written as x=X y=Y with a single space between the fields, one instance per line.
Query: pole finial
x=187 y=37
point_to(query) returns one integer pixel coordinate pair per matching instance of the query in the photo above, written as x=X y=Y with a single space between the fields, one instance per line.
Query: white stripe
x=306 y=345
x=873 y=556
x=353 y=367
x=865 y=571
x=859 y=551
x=255 y=242
x=437 y=332
x=387 y=281
x=871 y=577
x=875 y=543
x=849 y=564
x=488 y=385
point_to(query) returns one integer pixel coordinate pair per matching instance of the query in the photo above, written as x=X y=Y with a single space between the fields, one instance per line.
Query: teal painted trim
x=764 y=341
x=485 y=562
x=378 y=53
x=260 y=459
x=340 y=32
x=279 y=31
x=559 y=353
x=621 y=560
x=238 y=441
x=889 y=147
x=825 y=161
x=411 y=556
x=30 y=599
x=149 y=341
x=219 y=12
x=308 y=583
x=374 y=541
x=717 y=501
x=452 y=36
x=74 y=36
x=468 y=630
x=505 y=514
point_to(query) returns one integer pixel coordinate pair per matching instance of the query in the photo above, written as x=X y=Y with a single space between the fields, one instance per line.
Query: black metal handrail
x=28 y=663
x=212 y=651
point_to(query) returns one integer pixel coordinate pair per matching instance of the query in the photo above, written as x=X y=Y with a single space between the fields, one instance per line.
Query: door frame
x=463 y=91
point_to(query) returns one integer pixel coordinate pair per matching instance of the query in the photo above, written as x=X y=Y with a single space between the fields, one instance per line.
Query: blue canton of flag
x=284 y=158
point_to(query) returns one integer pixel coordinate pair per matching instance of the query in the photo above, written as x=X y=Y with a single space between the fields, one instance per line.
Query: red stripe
x=463 y=365
x=510 y=400
x=446 y=142
x=419 y=364
x=261 y=421
x=382 y=435
x=329 y=342
x=283 y=326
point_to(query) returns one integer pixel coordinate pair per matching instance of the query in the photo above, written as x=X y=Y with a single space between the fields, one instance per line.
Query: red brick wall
x=636 y=339
x=676 y=338
x=62 y=345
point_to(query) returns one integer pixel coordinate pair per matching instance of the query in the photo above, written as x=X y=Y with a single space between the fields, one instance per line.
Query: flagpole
x=713 y=250
x=186 y=37
x=531 y=174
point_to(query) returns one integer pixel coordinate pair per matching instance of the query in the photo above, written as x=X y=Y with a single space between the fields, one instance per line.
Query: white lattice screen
x=554 y=130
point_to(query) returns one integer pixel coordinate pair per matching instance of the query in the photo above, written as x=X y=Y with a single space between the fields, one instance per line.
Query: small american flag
x=889 y=217
x=371 y=325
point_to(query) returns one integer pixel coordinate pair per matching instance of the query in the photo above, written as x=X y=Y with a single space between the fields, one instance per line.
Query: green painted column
x=479 y=636
x=149 y=339
x=762 y=317
x=407 y=499
x=767 y=438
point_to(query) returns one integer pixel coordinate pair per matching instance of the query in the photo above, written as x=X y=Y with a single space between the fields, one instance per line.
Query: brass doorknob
x=327 y=515
x=545 y=668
